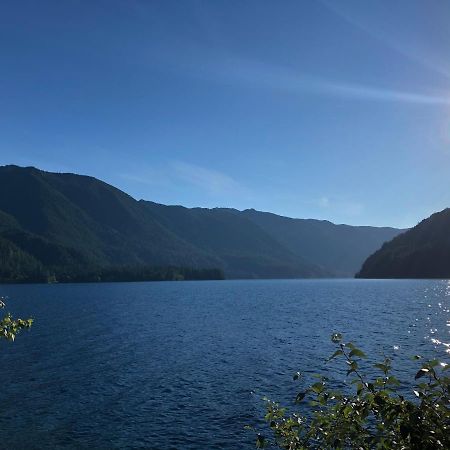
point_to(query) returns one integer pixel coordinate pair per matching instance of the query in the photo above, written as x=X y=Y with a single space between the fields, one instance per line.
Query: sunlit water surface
x=184 y=365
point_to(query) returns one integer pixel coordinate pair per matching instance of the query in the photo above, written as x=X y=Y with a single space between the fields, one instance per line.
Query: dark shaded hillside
x=421 y=252
x=247 y=251
x=68 y=225
x=70 y=221
x=339 y=249
x=17 y=265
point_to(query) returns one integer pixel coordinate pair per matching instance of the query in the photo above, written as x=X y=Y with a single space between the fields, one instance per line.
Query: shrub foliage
x=373 y=414
x=10 y=327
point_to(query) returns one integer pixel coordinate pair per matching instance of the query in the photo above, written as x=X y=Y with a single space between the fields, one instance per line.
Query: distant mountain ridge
x=421 y=252
x=339 y=249
x=70 y=223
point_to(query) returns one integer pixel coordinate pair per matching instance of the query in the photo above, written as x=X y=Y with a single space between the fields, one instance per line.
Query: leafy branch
x=372 y=415
x=9 y=326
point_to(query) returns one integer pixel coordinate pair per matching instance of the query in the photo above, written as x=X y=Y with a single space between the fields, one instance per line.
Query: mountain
x=245 y=249
x=66 y=220
x=339 y=249
x=66 y=224
x=421 y=252
x=72 y=223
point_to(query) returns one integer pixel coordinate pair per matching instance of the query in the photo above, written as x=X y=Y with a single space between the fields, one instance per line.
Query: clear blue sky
x=323 y=109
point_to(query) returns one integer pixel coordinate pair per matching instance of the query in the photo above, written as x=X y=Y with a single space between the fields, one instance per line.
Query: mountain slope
x=339 y=249
x=245 y=249
x=103 y=225
x=68 y=221
x=65 y=223
x=421 y=252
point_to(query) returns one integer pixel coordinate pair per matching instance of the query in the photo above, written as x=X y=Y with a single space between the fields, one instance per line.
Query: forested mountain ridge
x=73 y=223
x=65 y=224
x=421 y=252
x=246 y=250
x=339 y=249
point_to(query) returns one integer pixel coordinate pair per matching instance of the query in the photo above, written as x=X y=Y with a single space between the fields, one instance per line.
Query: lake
x=183 y=365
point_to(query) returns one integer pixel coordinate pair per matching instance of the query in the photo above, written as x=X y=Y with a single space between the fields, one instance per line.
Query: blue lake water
x=183 y=365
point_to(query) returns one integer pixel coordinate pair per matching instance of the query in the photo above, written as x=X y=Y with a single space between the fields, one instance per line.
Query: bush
x=373 y=415
x=10 y=327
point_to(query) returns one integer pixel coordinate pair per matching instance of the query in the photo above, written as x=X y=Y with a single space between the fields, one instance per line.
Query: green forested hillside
x=67 y=226
x=421 y=252
x=17 y=265
x=244 y=248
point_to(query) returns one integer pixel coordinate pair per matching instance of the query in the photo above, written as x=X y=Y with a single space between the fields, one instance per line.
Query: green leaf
x=347 y=410
x=317 y=388
x=421 y=373
x=357 y=352
x=260 y=441
x=359 y=388
x=336 y=353
x=392 y=380
x=353 y=365
x=382 y=367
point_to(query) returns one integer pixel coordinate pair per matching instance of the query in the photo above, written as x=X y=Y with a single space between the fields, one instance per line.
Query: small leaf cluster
x=10 y=327
x=373 y=414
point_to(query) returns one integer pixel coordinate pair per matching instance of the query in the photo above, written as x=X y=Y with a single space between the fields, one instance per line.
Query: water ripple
x=184 y=365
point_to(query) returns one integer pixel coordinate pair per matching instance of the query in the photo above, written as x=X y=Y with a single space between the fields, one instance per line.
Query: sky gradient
x=311 y=109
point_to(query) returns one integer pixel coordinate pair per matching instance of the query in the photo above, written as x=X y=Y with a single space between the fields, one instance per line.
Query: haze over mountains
x=69 y=223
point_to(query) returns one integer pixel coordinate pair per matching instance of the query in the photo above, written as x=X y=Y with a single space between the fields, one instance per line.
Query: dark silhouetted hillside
x=421 y=252
x=66 y=226
x=245 y=249
x=339 y=249
x=72 y=223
